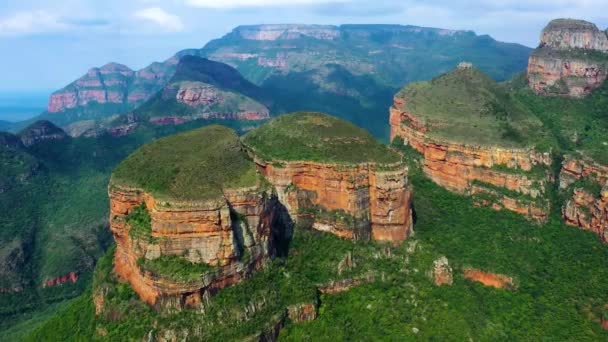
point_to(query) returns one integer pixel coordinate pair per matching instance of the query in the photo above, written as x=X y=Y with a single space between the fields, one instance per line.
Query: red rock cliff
x=470 y=169
x=201 y=232
x=352 y=201
x=571 y=59
x=586 y=209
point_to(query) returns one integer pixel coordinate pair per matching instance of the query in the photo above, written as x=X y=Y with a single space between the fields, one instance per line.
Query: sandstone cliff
x=199 y=211
x=177 y=245
x=571 y=59
x=112 y=83
x=586 y=183
x=512 y=178
x=355 y=197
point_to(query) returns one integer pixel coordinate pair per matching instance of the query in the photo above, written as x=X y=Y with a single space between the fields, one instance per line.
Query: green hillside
x=316 y=137
x=466 y=106
x=198 y=164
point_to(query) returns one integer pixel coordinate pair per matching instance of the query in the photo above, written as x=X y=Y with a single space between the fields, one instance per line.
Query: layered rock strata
x=219 y=233
x=479 y=170
x=361 y=201
x=571 y=60
x=586 y=208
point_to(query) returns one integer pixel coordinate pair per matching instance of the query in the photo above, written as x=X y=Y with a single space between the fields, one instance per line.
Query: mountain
x=350 y=71
x=567 y=89
x=477 y=139
x=111 y=89
x=203 y=89
x=571 y=59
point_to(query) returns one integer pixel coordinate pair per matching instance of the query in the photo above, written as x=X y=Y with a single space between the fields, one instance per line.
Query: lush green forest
x=558 y=271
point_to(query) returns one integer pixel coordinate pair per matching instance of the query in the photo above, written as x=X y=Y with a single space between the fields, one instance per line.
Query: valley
x=238 y=211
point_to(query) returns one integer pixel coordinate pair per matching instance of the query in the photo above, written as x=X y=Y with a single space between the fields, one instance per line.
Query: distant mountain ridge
x=272 y=55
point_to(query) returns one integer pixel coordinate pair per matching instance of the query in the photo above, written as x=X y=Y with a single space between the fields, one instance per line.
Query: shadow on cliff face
x=274 y=223
x=281 y=230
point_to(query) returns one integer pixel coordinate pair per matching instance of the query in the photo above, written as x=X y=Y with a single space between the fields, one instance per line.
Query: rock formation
x=193 y=213
x=220 y=233
x=112 y=83
x=287 y=32
x=499 y=281
x=571 y=60
x=502 y=177
x=587 y=206
x=442 y=272
x=203 y=89
x=354 y=200
x=41 y=131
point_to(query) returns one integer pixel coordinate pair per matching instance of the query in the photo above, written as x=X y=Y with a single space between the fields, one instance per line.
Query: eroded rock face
x=499 y=281
x=571 y=59
x=585 y=209
x=112 y=83
x=573 y=34
x=216 y=232
x=351 y=201
x=442 y=272
x=477 y=170
x=41 y=131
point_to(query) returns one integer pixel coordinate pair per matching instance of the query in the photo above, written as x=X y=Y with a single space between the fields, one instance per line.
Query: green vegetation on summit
x=316 y=137
x=466 y=106
x=189 y=166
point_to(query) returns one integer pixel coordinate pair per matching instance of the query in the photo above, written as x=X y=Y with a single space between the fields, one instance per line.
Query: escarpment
x=571 y=60
x=199 y=211
x=475 y=140
x=334 y=177
x=189 y=217
x=586 y=185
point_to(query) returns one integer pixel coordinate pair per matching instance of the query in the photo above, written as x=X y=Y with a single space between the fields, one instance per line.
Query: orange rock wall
x=500 y=281
x=456 y=166
x=382 y=197
x=586 y=210
x=580 y=76
x=201 y=232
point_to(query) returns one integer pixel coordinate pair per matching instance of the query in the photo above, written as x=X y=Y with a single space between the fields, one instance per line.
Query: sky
x=46 y=44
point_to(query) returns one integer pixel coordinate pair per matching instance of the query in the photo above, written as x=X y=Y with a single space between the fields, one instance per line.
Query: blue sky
x=47 y=44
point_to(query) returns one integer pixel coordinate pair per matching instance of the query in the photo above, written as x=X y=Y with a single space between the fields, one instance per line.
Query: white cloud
x=167 y=21
x=256 y=3
x=30 y=22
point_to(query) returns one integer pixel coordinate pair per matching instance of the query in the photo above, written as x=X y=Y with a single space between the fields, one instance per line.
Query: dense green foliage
x=466 y=106
x=140 y=223
x=194 y=165
x=54 y=210
x=175 y=268
x=579 y=125
x=557 y=296
x=316 y=137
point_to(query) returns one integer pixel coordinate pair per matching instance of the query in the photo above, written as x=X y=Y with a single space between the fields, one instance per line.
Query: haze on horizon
x=48 y=44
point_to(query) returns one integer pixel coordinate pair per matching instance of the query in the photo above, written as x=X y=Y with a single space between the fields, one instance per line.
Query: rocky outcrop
x=232 y=235
x=587 y=206
x=71 y=277
x=565 y=34
x=115 y=84
x=362 y=201
x=499 y=281
x=503 y=174
x=442 y=272
x=41 y=131
x=571 y=60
